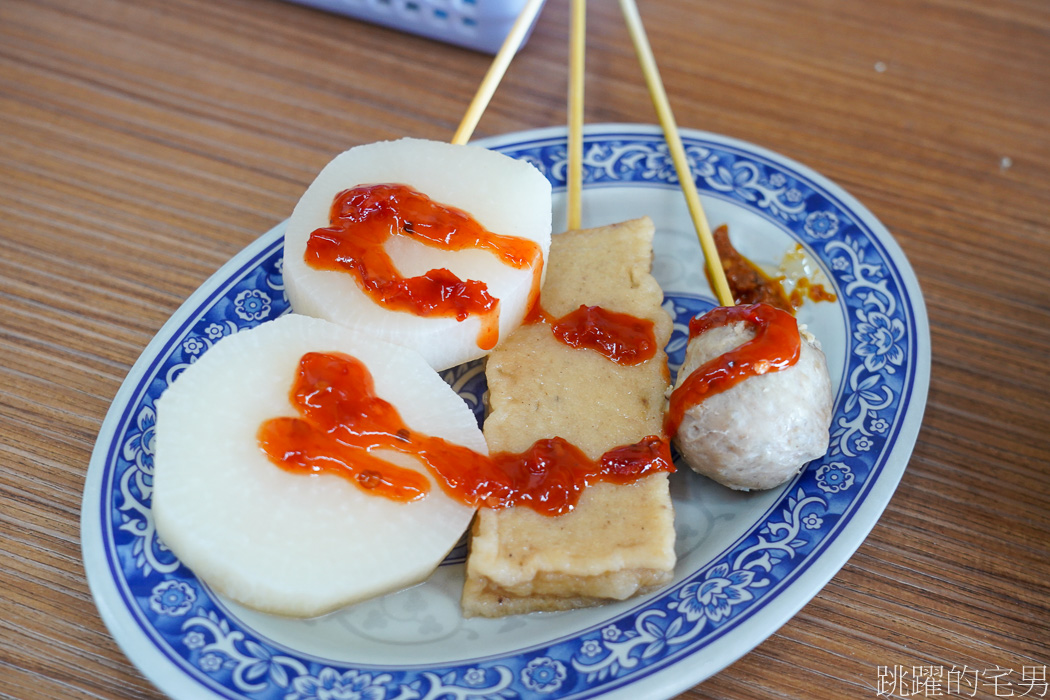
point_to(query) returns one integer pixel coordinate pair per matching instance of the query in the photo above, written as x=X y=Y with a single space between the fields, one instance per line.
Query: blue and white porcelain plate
x=747 y=562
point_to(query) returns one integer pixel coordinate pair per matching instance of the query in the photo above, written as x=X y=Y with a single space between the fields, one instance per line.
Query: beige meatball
x=762 y=431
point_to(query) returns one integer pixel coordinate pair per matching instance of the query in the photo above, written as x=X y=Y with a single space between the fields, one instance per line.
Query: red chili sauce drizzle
x=342 y=420
x=776 y=346
x=622 y=338
x=363 y=218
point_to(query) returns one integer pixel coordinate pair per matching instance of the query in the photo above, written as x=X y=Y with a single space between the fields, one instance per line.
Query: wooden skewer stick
x=674 y=144
x=495 y=73
x=577 y=49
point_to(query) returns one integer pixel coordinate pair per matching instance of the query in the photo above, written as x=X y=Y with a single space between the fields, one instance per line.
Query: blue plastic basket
x=477 y=24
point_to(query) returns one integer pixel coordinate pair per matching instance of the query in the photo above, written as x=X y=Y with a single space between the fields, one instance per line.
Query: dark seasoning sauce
x=750 y=285
x=341 y=419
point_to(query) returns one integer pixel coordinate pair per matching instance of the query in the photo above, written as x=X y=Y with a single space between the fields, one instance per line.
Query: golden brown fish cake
x=619 y=540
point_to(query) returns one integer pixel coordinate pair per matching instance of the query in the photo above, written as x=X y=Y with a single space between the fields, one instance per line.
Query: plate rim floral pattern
x=151 y=606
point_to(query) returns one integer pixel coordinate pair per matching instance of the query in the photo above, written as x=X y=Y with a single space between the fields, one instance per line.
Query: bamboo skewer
x=574 y=174
x=674 y=145
x=495 y=73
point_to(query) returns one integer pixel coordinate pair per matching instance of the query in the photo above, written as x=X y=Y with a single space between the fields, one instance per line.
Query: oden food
x=298 y=544
x=429 y=245
x=619 y=540
x=752 y=403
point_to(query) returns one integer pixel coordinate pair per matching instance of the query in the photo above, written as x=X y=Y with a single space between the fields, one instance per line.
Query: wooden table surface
x=142 y=144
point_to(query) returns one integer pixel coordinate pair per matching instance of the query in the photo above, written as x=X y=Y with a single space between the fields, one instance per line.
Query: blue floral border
x=179 y=615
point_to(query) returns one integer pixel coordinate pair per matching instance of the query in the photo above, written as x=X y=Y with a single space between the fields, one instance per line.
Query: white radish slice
x=506 y=196
x=285 y=543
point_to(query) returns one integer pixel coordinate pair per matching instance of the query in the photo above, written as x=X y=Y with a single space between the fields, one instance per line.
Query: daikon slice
x=296 y=544
x=505 y=196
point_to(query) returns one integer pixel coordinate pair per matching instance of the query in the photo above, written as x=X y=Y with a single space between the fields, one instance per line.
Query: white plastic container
x=476 y=24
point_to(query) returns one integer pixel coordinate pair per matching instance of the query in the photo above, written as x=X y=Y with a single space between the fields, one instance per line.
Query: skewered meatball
x=760 y=432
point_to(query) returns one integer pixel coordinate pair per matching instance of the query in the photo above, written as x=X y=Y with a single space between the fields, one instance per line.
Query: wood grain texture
x=142 y=144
